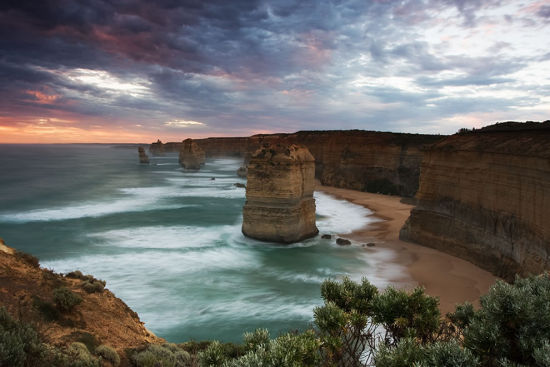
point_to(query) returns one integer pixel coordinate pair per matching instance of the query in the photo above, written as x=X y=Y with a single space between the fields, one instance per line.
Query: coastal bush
x=513 y=322
x=165 y=355
x=27 y=258
x=89 y=283
x=94 y=286
x=109 y=354
x=288 y=350
x=79 y=356
x=47 y=309
x=256 y=339
x=65 y=299
x=405 y=314
x=19 y=343
x=356 y=318
x=213 y=355
x=408 y=352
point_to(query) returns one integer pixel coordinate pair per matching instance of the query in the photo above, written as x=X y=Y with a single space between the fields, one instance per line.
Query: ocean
x=168 y=241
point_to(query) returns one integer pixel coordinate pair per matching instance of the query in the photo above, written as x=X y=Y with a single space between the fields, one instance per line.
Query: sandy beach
x=451 y=279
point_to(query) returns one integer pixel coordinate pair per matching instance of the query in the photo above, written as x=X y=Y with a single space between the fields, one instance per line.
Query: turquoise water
x=169 y=243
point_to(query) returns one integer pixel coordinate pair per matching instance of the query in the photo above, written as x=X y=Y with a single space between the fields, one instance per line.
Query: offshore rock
x=143 y=158
x=191 y=155
x=343 y=242
x=379 y=162
x=279 y=194
x=484 y=196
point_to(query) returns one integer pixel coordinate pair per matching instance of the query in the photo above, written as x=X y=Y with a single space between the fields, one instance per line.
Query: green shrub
x=77 y=274
x=47 y=309
x=79 y=356
x=449 y=354
x=260 y=337
x=93 y=286
x=109 y=354
x=27 y=258
x=513 y=323
x=166 y=355
x=19 y=343
x=295 y=350
x=255 y=358
x=407 y=314
x=213 y=355
x=65 y=299
x=406 y=353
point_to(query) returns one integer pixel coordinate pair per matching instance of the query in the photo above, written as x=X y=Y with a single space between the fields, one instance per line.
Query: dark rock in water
x=213 y=178
x=143 y=158
x=326 y=236
x=238 y=184
x=343 y=242
x=371 y=244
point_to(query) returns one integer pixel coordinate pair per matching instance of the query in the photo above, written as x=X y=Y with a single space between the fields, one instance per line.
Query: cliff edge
x=30 y=294
x=485 y=196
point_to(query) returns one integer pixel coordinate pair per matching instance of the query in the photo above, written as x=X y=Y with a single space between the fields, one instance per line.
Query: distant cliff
x=371 y=161
x=485 y=196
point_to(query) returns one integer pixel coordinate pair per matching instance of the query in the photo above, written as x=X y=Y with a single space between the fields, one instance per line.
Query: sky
x=137 y=71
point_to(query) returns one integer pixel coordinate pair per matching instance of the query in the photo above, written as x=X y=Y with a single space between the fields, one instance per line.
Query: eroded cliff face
x=380 y=162
x=485 y=197
x=191 y=155
x=279 y=194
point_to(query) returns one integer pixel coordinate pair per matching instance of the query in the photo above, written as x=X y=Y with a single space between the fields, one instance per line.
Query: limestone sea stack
x=279 y=194
x=143 y=158
x=191 y=155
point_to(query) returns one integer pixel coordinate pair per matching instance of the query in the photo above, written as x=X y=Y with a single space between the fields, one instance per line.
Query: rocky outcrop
x=387 y=163
x=279 y=194
x=485 y=196
x=27 y=292
x=143 y=158
x=191 y=155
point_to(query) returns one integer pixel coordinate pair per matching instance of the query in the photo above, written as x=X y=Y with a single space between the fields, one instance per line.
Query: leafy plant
x=65 y=299
x=109 y=354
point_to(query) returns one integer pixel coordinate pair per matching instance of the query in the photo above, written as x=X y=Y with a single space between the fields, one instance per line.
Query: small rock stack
x=143 y=158
x=279 y=194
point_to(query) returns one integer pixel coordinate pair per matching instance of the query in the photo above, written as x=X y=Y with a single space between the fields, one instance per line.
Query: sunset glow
x=140 y=71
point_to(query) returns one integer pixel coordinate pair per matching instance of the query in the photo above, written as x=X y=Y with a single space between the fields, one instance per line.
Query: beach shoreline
x=451 y=279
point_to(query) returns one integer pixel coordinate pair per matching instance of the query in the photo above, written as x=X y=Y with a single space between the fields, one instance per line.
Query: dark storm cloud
x=256 y=64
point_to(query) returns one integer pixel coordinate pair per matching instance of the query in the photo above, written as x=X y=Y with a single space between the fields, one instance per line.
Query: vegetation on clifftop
x=356 y=326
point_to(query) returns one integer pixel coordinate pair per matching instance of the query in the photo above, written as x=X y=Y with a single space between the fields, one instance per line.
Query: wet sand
x=451 y=279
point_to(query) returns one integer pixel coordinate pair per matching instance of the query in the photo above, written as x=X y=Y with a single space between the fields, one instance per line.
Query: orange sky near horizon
x=46 y=133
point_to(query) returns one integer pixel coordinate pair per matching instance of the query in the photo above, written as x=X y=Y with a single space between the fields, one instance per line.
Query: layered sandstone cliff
x=191 y=155
x=279 y=194
x=485 y=196
x=371 y=161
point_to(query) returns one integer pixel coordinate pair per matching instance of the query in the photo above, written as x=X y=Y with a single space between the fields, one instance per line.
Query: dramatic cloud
x=138 y=70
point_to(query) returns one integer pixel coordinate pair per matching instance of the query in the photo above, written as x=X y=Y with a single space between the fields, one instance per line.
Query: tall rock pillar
x=191 y=155
x=279 y=194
